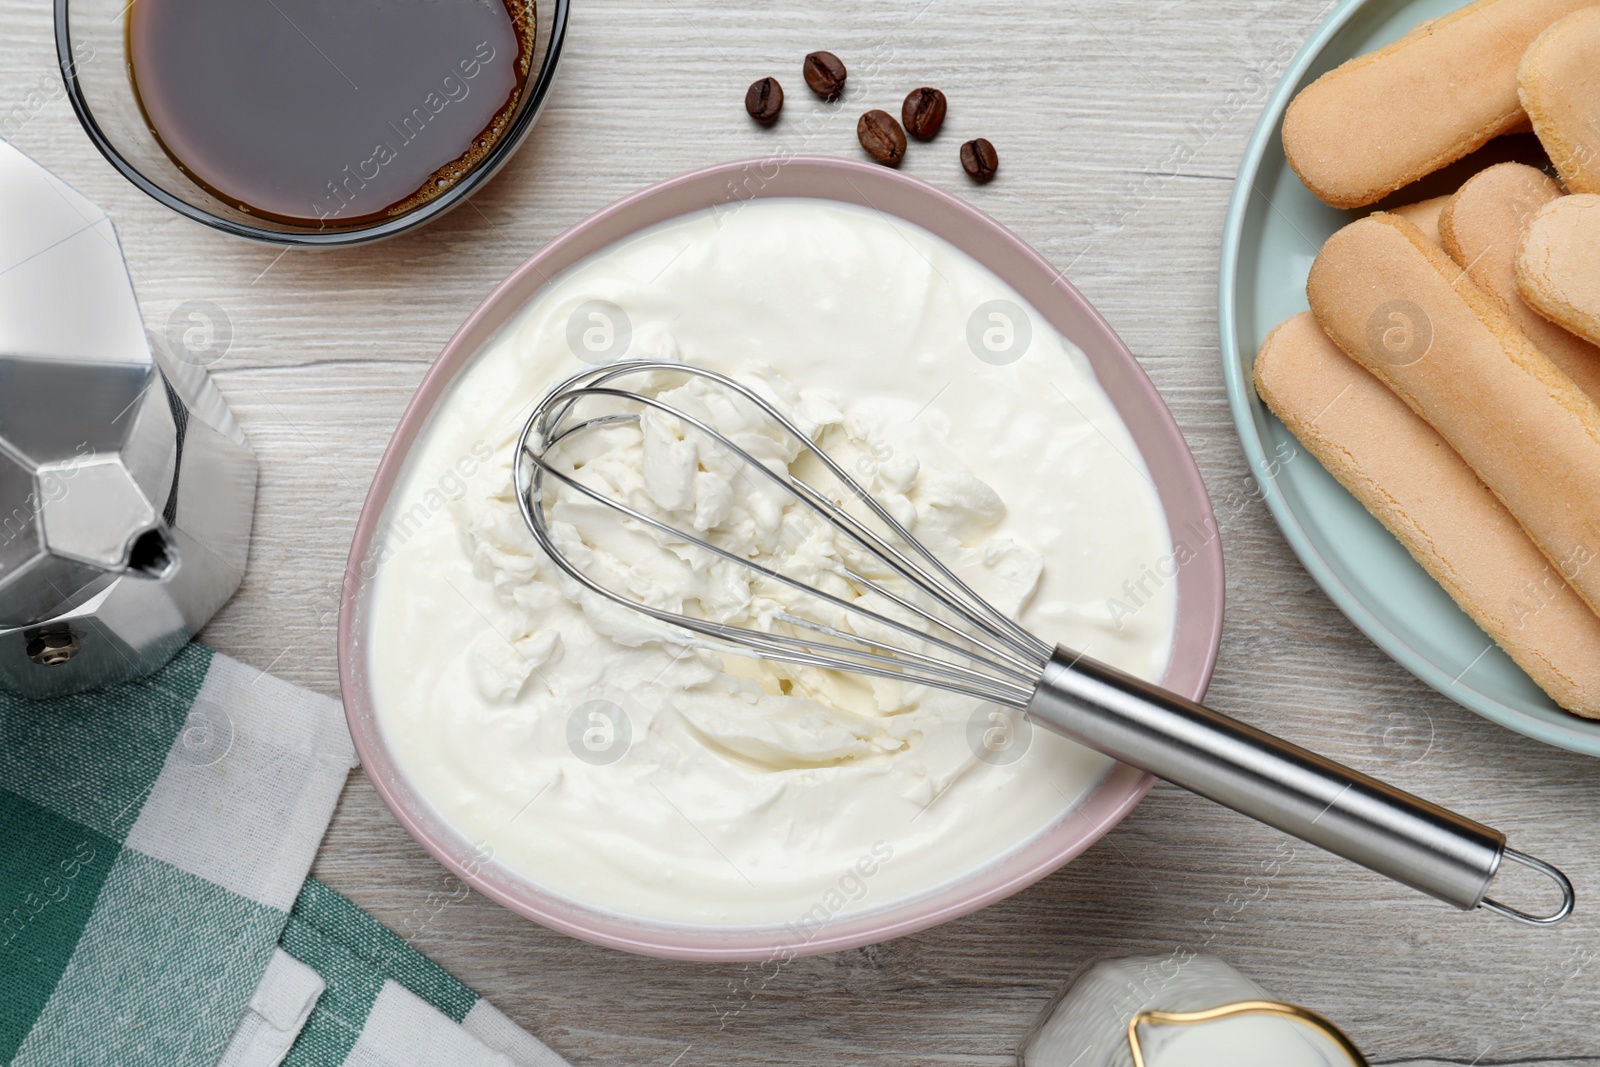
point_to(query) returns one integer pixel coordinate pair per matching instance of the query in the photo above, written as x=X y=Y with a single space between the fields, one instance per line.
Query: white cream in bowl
x=599 y=759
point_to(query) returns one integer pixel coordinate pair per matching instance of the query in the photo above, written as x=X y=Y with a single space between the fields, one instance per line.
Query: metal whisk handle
x=1317 y=800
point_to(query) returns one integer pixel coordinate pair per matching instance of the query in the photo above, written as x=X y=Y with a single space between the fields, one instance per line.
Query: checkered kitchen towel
x=154 y=905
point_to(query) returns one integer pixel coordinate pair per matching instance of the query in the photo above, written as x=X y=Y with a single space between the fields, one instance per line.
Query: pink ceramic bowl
x=1200 y=583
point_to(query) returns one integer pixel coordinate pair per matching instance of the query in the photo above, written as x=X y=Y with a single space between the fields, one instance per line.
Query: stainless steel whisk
x=950 y=638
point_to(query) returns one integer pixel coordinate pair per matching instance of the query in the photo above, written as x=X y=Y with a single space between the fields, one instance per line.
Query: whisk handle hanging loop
x=1271 y=780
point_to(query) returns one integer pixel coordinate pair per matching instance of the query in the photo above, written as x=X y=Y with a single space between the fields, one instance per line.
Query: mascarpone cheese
x=595 y=754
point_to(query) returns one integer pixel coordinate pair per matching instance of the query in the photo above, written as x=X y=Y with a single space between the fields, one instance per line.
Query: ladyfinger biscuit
x=1559 y=85
x=1482 y=230
x=1558 y=264
x=1424 y=214
x=1400 y=307
x=1416 y=485
x=1385 y=119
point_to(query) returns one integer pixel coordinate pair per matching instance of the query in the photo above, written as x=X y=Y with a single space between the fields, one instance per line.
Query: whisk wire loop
x=841 y=520
x=978 y=610
x=999 y=662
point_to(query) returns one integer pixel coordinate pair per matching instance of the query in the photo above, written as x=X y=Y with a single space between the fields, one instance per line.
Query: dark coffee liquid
x=330 y=111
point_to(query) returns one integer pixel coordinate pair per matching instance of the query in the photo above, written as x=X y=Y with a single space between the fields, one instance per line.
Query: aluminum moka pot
x=126 y=488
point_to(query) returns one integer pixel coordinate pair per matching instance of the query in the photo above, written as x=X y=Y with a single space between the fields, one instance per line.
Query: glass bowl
x=91 y=44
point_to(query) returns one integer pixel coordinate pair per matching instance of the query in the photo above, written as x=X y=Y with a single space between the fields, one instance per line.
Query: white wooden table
x=1119 y=125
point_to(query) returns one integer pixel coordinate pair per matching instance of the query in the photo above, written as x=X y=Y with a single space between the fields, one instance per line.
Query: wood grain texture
x=1119 y=126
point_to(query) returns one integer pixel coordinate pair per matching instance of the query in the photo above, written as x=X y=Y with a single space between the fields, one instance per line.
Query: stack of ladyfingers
x=1448 y=372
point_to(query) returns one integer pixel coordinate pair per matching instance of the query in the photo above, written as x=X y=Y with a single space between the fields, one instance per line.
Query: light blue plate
x=1274 y=229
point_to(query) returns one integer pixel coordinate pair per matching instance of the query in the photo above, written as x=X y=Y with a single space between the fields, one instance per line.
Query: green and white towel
x=155 y=840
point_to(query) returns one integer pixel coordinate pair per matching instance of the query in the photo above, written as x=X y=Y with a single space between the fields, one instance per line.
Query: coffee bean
x=825 y=74
x=923 y=113
x=979 y=160
x=764 y=99
x=882 y=137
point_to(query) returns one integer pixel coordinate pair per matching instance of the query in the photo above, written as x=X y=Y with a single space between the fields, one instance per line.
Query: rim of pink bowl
x=1183 y=496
